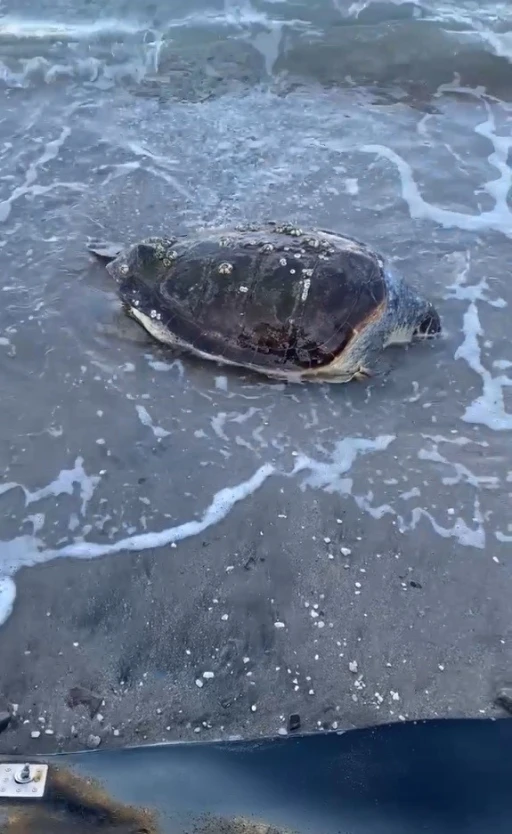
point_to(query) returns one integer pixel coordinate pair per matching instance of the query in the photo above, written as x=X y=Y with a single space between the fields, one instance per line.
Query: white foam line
x=160 y=162
x=123 y=169
x=219 y=421
x=463 y=474
x=159 y=366
x=221 y=505
x=146 y=420
x=7 y=598
x=27 y=551
x=139 y=150
x=326 y=475
x=500 y=42
x=498 y=218
x=502 y=537
x=15 y=27
x=489 y=408
x=63 y=484
x=170 y=180
x=498 y=188
x=51 y=150
x=465 y=535
x=235 y=14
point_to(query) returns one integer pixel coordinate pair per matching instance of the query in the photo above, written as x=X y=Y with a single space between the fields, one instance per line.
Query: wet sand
x=394 y=629
x=337 y=552
x=296 y=602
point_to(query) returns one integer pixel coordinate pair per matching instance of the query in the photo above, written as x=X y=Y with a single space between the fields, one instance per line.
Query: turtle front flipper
x=373 y=365
x=104 y=249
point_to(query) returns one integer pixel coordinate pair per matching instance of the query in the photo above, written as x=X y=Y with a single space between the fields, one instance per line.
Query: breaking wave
x=327 y=41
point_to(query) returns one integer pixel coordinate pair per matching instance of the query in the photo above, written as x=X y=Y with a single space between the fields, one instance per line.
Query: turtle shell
x=269 y=295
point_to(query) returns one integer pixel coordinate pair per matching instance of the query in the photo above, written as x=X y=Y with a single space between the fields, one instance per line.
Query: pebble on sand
x=80 y=696
x=5 y=720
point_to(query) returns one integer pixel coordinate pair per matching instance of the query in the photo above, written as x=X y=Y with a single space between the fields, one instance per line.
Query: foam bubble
x=146 y=420
x=221 y=383
x=160 y=367
x=503 y=537
x=7 y=598
x=489 y=408
x=63 y=484
x=218 y=422
x=327 y=474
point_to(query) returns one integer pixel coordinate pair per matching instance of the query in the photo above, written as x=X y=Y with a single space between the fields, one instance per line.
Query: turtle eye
x=146 y=254
x=145 y=262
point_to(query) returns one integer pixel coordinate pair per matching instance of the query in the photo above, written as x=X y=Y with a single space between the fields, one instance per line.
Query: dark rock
x=294 y=722
x=504 y=699
x=5 y=720
x=79 y=696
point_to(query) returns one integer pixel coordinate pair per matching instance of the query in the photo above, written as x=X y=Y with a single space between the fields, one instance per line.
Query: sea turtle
x=288 y=303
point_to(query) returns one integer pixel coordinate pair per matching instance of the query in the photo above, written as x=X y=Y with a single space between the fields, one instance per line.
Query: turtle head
x=144 y=263
x=411 y=316
x=140 y=272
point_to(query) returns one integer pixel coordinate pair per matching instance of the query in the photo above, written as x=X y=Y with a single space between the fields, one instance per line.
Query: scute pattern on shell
x=270 y=295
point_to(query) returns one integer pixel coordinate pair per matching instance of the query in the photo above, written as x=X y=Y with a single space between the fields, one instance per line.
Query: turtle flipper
x=377 y=368
x=104 y=249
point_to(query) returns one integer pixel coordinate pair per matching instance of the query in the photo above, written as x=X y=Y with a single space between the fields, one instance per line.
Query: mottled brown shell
x=271 y=295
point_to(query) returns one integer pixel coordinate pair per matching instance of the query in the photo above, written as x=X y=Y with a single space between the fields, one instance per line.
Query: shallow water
x=389 y=121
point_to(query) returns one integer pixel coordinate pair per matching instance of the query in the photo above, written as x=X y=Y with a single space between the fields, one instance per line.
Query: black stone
x=5 y=720
x=294 y=722
x=79 y=696
x=504 y=699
